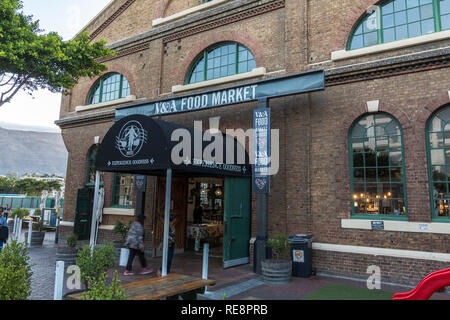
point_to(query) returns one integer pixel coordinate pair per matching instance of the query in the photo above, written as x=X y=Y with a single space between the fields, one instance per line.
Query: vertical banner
x=261 y=151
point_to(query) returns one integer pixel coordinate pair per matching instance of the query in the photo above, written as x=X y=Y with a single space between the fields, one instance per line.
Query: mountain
x=32 y=152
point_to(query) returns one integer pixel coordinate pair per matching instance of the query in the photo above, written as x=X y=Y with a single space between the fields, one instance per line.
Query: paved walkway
x=238 y=283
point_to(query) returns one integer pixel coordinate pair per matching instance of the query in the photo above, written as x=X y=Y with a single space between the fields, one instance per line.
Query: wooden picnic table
x=171 y=286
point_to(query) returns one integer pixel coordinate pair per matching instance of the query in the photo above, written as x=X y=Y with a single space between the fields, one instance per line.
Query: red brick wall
x=311 y=192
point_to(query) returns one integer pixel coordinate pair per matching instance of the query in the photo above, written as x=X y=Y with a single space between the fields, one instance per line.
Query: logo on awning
x=131 y=138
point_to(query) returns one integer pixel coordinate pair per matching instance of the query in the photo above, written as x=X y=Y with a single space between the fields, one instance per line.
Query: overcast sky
x=67 y=18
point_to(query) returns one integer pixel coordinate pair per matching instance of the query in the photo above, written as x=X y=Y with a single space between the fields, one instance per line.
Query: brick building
x=370 y=147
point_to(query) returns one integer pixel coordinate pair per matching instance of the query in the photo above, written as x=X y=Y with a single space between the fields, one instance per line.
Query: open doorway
x=205 y=215
x=208 y=210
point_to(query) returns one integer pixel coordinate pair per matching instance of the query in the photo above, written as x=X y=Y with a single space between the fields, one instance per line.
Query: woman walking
x=135 y=242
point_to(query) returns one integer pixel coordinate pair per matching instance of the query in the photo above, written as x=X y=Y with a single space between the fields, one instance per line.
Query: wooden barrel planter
x=66 y=254
x=37 y=238
x=276 y=271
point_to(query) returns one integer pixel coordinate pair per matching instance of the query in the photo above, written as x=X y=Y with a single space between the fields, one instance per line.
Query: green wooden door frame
x=83 y=213
x=237 y=222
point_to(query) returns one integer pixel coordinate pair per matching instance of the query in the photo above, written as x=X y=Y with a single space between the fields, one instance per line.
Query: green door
x=83 y=213
x=237 y=222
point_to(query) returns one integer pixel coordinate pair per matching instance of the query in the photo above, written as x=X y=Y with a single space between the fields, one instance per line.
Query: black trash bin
x=301 y=251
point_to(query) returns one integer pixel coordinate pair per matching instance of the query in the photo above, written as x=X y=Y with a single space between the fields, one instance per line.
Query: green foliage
x=39 y=226
x=99 y=290
x=280 y=247
x=37 y=212
x=15 y=272
x=72 y=240
x=29 y=186
x=30 y=60
x=20 y=213
x=121 y=229
x=93 y=265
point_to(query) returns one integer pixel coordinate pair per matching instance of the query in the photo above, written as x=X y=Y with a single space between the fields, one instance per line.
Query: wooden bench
x=171 y=287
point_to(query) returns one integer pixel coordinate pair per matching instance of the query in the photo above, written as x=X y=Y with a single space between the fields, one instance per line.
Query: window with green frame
x=438 y=149
x=110 y=87
x=90 y=171
x=377 y=168
x=221 y=60
x=400 y=19
x=123 y=190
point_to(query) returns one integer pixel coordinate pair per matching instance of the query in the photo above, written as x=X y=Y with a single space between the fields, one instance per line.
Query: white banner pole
x=94 y=211
x=166 y=222
x=59 y=280
x=30 y=230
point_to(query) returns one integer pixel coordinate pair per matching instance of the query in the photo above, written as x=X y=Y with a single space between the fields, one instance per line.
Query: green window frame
x=400 y=19
x=90 y=170
x=110 y=87
x=123 y=188
x=438 y=157
x=221 y=60
x=377 y=170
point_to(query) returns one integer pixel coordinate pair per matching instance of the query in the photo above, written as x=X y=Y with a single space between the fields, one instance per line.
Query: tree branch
x=4 y=84
x=14 y=91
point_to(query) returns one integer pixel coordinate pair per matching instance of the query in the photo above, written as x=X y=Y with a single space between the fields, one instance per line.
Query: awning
x=142 y=145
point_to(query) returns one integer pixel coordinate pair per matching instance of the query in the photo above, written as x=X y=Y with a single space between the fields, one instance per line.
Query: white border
x=104 y=104
x=118 y=212
x=432 y=37
x=408 y=254
x=257 y=72
x=402 y=226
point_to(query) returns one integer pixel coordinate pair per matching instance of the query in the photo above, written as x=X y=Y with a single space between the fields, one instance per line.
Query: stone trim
x=257 y=72
x=389 y=46
x=118 y=212
x=399 y=65
x=104 y=104
x=401 y=226
x=396 y=253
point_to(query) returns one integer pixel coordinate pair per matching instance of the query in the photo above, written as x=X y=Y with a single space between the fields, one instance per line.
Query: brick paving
x=238 y=283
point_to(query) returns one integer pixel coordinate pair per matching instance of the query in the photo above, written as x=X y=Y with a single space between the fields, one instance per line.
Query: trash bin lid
x=300 y=238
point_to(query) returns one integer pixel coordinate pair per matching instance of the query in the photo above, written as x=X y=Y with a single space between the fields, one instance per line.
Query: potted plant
x=278 y=269
x=15 y=272
x=121 y=229
x=37 y=234
x=68 y=252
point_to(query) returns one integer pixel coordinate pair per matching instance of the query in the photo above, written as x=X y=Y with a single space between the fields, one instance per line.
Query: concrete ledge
x=399 y=44
x=66 y=224
x=257 y=72
x=186 y=12
x=118 y=212
x=409 y=254
x=104 y=104
x=106 y=227
x=401 y=226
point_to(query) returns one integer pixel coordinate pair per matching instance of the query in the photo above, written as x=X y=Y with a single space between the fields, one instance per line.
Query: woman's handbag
x=4 y=233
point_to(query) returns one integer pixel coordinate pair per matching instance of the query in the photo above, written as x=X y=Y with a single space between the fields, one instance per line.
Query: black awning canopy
x=139 y=144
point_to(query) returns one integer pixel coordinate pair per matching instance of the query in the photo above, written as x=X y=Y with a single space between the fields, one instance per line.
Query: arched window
x=90 y=171
x=111 y=87
x=400 y=19
x=438 y=149
x=221 y=60
x=377 y=167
